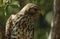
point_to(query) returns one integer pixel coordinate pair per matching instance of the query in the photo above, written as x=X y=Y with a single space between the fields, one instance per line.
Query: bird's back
x=22 y=27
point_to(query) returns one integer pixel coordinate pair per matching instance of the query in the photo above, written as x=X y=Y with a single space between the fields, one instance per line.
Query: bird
x=21 y=24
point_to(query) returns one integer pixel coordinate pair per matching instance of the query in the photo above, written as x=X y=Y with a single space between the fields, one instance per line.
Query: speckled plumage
x=21 y=25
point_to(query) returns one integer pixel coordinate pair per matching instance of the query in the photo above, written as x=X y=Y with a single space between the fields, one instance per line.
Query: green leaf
x=49 y=17
x=15 y=3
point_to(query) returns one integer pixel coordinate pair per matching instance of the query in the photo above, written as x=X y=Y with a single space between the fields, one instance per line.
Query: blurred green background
x=42 y=28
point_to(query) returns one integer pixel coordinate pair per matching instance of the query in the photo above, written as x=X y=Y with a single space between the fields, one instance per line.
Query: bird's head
x=31 y=9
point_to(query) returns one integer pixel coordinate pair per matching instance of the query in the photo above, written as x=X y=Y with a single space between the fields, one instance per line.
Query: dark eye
x=36 y=8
